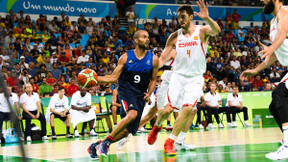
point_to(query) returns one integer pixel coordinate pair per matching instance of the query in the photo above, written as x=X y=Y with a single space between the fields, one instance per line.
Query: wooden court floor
x=238 y=144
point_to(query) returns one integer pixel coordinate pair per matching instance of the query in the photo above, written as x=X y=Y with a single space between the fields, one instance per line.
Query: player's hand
x=62 y=114
x=248 y=73
x=33 y=116
x=19 y=117
x=267 y=52
x=147 y=98
x=204 y=14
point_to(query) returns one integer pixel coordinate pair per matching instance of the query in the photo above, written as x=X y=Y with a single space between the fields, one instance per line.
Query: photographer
x=25 y=76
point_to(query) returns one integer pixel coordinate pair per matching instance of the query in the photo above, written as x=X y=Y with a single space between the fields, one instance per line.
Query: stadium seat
x=57 y=35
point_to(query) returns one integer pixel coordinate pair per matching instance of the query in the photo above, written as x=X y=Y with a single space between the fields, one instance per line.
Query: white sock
x=181 y=137
x=158 y=125
x=246 y=122
x=285 y=133
x=171 y=136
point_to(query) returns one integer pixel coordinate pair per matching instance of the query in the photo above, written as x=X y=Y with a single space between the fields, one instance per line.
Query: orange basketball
x=87 y=78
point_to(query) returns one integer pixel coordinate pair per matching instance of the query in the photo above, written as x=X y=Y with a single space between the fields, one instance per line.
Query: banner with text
x=101 y=9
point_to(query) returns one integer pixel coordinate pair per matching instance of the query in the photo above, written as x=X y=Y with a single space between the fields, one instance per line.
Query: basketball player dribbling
x=187 y=80
x=277 y=51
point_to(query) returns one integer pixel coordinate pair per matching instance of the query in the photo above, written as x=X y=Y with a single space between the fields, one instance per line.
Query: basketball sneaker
x=76 y=134
x=169 y=147
x=280 y=154
x=44 y=138
x=93 y=133
x=211 y=126
x=120 y=144
x=229 y=125
x=92 y=150
x=246 y=124
x=234 y=125
x=103 y=148
x=153 y=134
x=54 y=137
x=184 y=146
x=142 y=130
x=68 y=136
x=201 y=126
x=220 y=125
x=28 y=138
x=169 y=127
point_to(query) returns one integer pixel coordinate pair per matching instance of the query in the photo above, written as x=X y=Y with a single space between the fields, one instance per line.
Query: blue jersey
x=136 y=75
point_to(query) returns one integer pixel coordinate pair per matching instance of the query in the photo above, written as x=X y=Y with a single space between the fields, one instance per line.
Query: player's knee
x=188 y=109
x=52 y=116
x=194 y=111
x=68 y=116
x=132 y=114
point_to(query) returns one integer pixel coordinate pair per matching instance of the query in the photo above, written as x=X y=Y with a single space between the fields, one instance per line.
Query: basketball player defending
x=277 y=51
x=136 y=72
x=187 y=79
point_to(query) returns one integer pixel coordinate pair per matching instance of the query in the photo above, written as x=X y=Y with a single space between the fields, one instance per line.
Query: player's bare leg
x=149 y=116
x=180 y=142
x=163 y=114
x=179 y=124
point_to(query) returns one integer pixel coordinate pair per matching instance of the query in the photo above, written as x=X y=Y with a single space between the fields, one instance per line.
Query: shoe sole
x=99 y=152
x=169 y=154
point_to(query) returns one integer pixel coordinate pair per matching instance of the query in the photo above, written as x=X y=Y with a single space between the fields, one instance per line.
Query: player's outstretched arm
x=213 y=28
x=282 y=28
x=167 y=52
x=152 y=83
x=263 y=65
x=116 y=73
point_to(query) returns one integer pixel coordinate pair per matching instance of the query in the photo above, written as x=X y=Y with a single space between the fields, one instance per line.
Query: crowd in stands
x=50 y=53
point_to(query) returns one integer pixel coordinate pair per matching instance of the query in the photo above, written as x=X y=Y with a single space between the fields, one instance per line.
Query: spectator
x=72 y=88
x=30 y=103
x=35 y=87
x=257 y=84
x=32 y=71
x=235 y=17
x=90 y=63
x=25 y=76
x=235 y=103
x=83 y=59
x=275 y=77
x=44 y=87
x=235 y=64
x=130 y=16
x=55 y=71
x=58 y=108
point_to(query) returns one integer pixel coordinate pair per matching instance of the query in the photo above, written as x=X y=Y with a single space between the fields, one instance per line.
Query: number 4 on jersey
x=188 y=53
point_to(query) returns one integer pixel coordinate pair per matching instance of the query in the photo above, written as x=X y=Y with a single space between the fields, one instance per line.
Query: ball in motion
x=87 y=78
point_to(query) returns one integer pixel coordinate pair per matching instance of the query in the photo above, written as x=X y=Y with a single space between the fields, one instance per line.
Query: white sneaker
x=220 y=125
x=28 y=139
x=200 y=126
x=44 y=138
x=142 y=129
x=93 y=133
x=280 y=154
x=54 y=137
x=234 y=125
x=69 y=136
x=76 y=134
x=229 y=125
x=246 y=124
x=120 y=144
x=211 y=126
x=184 y=146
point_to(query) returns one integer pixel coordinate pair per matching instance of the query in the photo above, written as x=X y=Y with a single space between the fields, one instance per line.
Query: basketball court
x=237 y=144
